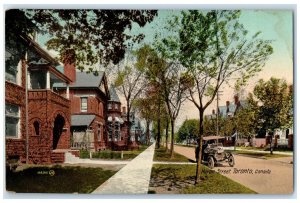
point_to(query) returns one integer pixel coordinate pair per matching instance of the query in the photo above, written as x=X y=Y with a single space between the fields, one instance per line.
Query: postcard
x=104 y=101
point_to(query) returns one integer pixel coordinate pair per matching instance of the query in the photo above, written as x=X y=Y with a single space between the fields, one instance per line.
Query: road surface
x=272 y=176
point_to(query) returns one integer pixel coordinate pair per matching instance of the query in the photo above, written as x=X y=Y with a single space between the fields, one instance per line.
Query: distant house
x=229 y=110
x=118 y=137
x=116 y=127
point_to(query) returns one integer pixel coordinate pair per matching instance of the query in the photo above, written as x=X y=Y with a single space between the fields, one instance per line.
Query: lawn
x=179 y=179
x=109 y=154
x=267 y=148
x=161 y=155
x=260 y=155
x=57 y=179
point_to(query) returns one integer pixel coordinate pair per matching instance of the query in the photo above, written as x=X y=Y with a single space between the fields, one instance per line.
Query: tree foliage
x=273 y=100
x=214 y=48
x=169 y=79
x=95 y=35
x=189 y=130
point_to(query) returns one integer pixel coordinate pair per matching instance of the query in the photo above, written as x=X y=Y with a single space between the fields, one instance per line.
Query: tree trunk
x=129 y=124
x=172 y=137
x=158 y=127
x=199 y=145
x=167 y=134
x=271 y=141
x=147 y=132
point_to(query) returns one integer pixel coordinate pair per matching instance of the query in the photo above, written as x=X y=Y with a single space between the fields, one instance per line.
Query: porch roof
x=82 y=120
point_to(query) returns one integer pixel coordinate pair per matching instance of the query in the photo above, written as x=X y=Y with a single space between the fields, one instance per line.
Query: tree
x=169 y=79
x=148 y=59
x=130 y=82
x=146 y=107
x=94 y=35
x=274 y=101
x=245 y=121
x=214 y=48
x=189 y=130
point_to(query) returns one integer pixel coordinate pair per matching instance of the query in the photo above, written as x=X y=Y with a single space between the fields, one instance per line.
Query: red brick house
x=88 y=95
x=116 y=128
x=60 y=109
x=117 y=124
x=39 y=133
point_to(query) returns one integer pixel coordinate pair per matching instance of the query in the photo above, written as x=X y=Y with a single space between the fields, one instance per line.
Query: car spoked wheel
x=231 y=161
x=211 y=162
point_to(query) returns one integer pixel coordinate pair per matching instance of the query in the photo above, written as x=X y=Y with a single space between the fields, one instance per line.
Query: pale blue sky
x=275 y=25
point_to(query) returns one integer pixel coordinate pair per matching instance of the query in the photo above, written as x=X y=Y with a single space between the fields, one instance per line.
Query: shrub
x=84 y=154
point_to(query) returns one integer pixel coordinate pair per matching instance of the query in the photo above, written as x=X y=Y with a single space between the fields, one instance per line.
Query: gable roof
x=84 y=79
x=113 y=94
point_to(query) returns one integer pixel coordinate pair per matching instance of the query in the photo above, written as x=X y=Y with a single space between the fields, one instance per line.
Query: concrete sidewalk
x=131 y=179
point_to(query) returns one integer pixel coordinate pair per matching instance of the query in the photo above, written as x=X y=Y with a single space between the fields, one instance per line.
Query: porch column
x=28 y=80
x=67 y=93
x=48 y=80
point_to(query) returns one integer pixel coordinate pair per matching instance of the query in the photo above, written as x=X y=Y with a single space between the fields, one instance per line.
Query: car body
x=213 y=152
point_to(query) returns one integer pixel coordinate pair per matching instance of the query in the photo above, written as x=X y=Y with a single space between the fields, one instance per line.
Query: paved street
x=276 y=179
x=131 y=179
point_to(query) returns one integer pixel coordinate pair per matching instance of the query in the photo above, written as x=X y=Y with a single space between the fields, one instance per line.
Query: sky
x=275 y=25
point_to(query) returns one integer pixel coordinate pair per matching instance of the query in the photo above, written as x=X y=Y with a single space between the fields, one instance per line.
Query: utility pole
x=218 y=93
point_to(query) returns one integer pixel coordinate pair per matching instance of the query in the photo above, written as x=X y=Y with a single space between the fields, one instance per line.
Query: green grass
x=267 y=148
x=108 y=154
x=162 y=155
x=211 y=182
x=260 y=155
x=65 y=180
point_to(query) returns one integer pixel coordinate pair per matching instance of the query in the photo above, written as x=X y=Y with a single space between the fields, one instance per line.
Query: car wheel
x=211 y=162
x=231 y=161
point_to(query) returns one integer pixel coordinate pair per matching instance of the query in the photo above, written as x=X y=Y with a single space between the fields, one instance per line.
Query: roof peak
x=113 y=94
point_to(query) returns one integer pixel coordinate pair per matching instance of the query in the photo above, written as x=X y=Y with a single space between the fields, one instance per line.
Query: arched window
x=36 y=126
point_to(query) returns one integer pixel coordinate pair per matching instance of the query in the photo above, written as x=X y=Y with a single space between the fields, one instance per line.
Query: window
x=84 y=104
x=12 y=118
x=109 y=106
x=38 y=79
x=13 y=64
x=36 y=126
x=110 y=128
x=100 y=109
x=99 y=133
x=117 y=131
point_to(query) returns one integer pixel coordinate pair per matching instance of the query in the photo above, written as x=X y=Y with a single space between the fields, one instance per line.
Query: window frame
x=11 y=116
x=81 y=102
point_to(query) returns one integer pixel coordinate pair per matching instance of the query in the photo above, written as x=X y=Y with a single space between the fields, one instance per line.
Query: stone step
x=58 y=157
x=70 y=158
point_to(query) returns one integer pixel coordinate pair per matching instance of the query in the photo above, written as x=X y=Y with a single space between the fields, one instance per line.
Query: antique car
x=213 y=152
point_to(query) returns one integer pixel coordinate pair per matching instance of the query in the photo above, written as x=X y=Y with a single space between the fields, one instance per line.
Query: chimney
x=236 y=99
x=68 y=59
x=227 y=105
x=124 y=110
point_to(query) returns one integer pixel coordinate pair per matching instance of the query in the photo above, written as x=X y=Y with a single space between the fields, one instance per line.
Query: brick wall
x=15 y=94
x=44 y=107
